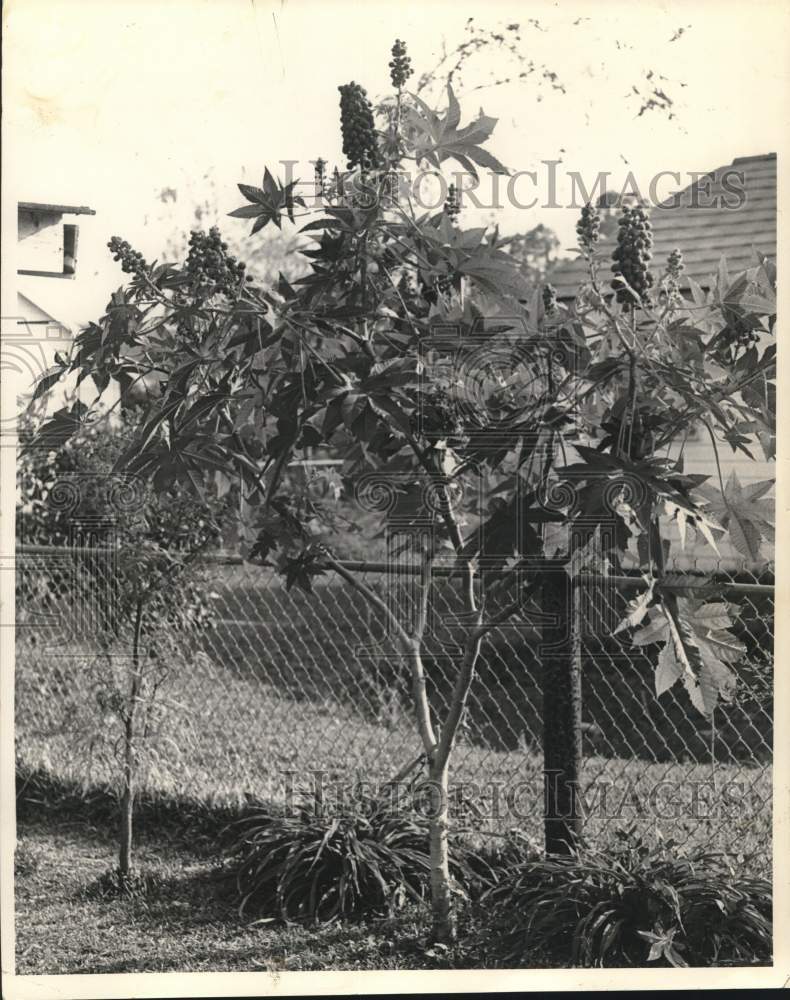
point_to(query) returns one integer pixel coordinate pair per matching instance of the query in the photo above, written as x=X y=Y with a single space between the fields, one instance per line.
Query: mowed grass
x=187 y=922
x=187 y=919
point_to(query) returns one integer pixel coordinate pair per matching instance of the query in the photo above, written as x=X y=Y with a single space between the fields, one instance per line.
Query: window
x=70 y=248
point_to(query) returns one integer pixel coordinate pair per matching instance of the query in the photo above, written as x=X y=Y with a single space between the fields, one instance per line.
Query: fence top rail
x=681 y=579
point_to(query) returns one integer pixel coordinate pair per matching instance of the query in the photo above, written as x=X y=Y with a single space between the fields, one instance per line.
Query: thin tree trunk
x=438 y=750
x=125 y=854
x=444 y=922
x=127 y=803
x=442 y=904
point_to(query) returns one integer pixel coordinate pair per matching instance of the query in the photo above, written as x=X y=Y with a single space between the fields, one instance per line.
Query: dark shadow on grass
x=160 y=893
x=201 y=829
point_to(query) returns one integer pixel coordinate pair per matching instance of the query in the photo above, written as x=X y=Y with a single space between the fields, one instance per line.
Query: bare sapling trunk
x=127 y=802
x=125 y=854
x=437 y=749
x=444 y=928
x=444 y=919
x=444 y=925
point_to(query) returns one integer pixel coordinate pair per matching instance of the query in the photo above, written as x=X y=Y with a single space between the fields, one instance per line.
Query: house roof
x=37 y=206
x=56 y=299
x=702 y=233
x=39 y=312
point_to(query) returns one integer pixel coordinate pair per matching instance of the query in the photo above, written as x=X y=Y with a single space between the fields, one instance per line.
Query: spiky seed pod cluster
x=320 y=176
x=632 y=255
x=588 y=228
x=400 y=65
x=356 y=123
x=131 y=260
x=210 y=265
x=549 y=300
x=452 y=203
x=672 y=275
x=675 y=265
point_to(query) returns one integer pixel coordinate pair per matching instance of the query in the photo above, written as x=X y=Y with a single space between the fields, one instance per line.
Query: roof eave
x=36 y=206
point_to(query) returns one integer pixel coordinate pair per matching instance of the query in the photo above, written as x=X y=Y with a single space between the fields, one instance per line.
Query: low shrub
x=629 y=905
x=367 y=857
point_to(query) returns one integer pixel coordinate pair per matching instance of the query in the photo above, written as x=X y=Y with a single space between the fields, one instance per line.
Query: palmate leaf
x=268 y=203
x=439 y=139
x=743 y=512
x=494 y=270
x=751 y=290
x=688 y=515
x=62 y=426
x=299 y=572
x=697 y=648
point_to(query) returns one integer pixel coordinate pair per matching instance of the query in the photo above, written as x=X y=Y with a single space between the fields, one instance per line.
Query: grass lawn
x=188 y=922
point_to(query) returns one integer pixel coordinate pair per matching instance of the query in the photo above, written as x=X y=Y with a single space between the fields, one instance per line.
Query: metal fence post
x=562 y=713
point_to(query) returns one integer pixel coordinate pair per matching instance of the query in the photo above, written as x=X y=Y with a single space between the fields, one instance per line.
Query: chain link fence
x=278 y=689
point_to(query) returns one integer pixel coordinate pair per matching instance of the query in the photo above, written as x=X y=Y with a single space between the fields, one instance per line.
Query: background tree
x=409 y=347
x=536 y=253
x=141 y=579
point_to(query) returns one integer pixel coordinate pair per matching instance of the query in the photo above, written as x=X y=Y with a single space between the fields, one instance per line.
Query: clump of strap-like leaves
x=631 y=904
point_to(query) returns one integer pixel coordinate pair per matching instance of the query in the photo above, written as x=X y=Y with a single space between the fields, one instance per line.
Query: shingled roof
x=703 y=234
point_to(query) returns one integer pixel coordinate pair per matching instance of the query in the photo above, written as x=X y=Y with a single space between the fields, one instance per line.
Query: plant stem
x=411 y=645
x=444 y=924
